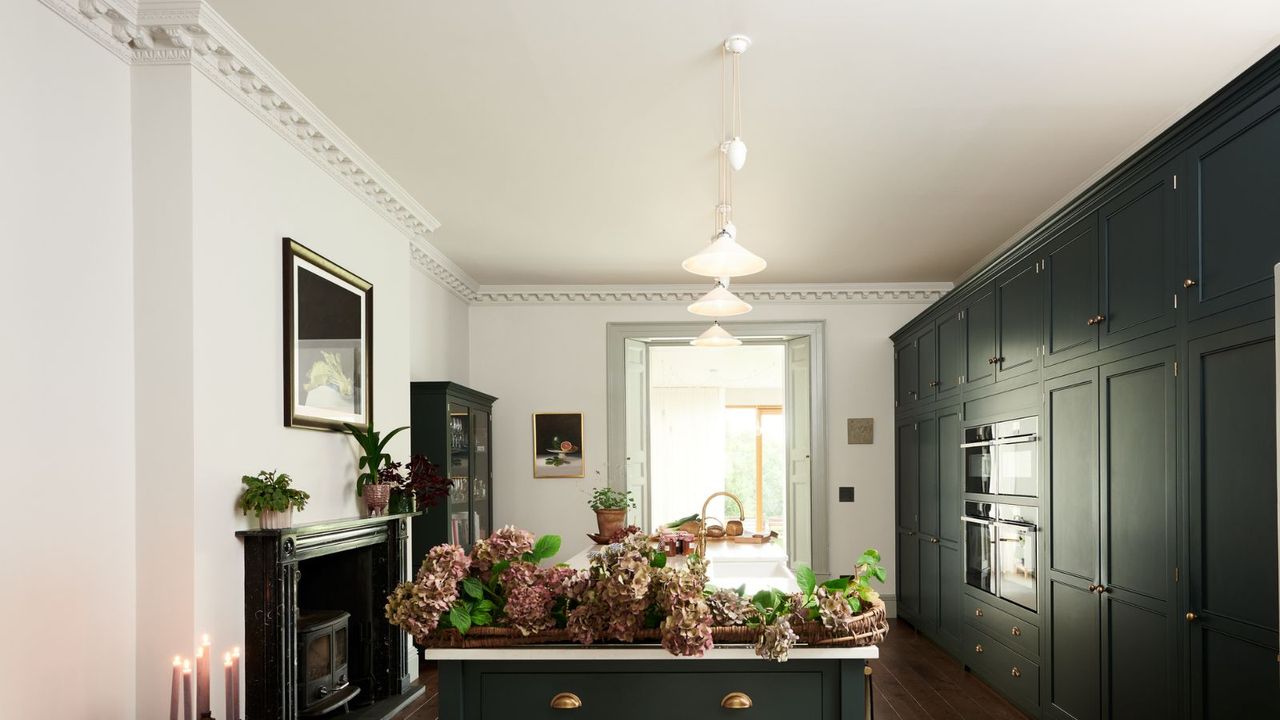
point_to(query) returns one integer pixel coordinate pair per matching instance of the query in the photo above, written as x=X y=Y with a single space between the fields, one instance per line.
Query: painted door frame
x=673 y=333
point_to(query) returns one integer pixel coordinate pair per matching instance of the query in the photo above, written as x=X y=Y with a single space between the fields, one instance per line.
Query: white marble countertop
x=642 y=652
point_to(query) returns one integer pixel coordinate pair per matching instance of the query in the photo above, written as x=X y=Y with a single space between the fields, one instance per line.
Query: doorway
x=735 y=445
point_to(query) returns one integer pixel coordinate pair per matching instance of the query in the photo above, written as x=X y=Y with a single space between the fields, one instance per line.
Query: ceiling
x=573 y=141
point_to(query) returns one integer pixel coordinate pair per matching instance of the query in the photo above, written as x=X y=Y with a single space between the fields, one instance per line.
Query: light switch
x=846 y=493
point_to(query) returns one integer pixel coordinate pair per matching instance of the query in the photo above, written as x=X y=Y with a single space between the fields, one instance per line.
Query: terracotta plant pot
x=272 y=520
x=376 y=498
x=611 y=521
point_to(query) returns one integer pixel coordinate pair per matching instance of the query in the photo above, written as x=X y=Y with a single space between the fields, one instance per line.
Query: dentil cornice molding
x=189 y=32
x=846 y=293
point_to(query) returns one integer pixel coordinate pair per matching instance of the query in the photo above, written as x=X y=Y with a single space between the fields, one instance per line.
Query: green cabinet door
x=909 y=476
x=908 y=580
x=1073 y=687
x=950 y=429
x=1233 y=234
x=1232 y=521
x=927 y=365
x=980 y=338
x=1138 y=549
x=930 y=600
x=1071 y=292
x=927 y=444
x=1137 y=252
x=951 y=354
x=907 y=363
x=950 y=596
x=1019 y=298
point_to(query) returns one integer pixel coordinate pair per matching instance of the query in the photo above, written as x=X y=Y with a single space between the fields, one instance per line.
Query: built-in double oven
x=1001 y=509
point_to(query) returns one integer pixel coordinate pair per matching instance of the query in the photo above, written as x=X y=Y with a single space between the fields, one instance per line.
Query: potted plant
x=271 y=498
x=372 y=463
x=611 y=509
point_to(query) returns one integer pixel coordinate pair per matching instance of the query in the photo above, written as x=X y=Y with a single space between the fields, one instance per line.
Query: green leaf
x=485 y=606
x=460 y=618
x=879 y=574
x=806 y=579
x=658 y=559
x=839 y=584
x=546 y=547
x=472 y=587
x=481 y=617
x=497 y=569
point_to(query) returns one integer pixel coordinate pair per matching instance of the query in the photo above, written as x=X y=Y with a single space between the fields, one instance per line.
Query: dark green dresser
x=453 y=426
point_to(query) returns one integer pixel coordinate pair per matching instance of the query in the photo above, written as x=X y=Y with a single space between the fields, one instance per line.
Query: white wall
x=438 y=347
x=552 y=357
x=67 y=569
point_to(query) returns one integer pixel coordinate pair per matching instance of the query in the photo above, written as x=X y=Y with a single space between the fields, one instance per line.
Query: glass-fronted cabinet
x=452 y=426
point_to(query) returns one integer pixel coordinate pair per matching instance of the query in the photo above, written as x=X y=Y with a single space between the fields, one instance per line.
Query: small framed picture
x=328 y=342
x=557 y=445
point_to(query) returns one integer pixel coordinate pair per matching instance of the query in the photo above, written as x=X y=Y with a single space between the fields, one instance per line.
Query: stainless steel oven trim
x=990 y=552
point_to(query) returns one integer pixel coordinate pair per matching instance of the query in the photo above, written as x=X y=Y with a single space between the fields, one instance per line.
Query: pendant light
x=715 y=336
x=724 y=257
x=719 y=302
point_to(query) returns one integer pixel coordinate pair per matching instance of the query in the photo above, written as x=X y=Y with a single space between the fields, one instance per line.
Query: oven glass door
x=1017 y=468
x=1016 y=551
x=979 y=469
x=979 y=548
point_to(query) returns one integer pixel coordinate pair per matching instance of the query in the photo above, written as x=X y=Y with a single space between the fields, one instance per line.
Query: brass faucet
x=702 y=518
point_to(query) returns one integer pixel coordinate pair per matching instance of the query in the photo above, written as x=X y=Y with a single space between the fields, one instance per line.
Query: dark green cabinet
x=980 y=338
x=908 y=574
x=908 y=448
x=951 y=354
x=907 y=368
x=1138 y=251
x=927 y=509
x=1233 y=232
x=1071 y=292
x=452 y=426
x=927 y=365
x=1232 y=519
x=1018 y=321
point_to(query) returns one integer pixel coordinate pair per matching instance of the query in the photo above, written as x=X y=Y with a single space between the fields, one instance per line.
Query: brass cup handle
x=1192 y=617
x=736 y=701
x=1015 y=631
x=1014 y=671
x=566 y=701
x=1189 y=283
x=978 y=649
x=1096 y=320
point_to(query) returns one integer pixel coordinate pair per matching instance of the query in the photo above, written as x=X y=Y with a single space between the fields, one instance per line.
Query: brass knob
x=934 y=383
x=1014 y=671
x=978 y=649
x=566 y=701
x=1191 y=617
x=1015 y=631
x=1096 y=320
x=1189 y=283
x=736 y=701
x=1099 y=589
x=1093 y=587
x=977 y=612
x=933 y=540
x=992 y=360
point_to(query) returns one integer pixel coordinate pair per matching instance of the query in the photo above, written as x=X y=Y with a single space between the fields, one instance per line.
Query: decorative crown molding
x=182 y=32
x=858 y=293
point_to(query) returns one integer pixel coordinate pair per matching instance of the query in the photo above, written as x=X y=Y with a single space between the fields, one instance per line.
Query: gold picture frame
x=557 y=445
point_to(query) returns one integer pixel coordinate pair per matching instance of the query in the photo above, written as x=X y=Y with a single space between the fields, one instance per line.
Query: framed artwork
x=557 y=445
x=328 y=342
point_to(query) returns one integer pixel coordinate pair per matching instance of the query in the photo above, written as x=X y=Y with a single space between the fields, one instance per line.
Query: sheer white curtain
x=687 y=445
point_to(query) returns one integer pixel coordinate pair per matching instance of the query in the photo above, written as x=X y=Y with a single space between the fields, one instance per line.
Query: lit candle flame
x=226 y=660
x=235 y=651
x=186 y=667
x=177 y=661
x=199 y=652
x=204 y=639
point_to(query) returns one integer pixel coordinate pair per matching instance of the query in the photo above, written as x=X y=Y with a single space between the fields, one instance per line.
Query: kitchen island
x=626 y=682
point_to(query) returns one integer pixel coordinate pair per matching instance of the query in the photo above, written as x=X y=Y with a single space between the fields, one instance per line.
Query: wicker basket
x=869 y=628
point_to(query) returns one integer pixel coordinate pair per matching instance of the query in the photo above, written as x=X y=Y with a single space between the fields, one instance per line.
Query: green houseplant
x=270 y=496
x=372 y=462
x=611 y=509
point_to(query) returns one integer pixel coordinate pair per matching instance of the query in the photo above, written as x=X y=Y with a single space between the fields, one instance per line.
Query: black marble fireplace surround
x=349 y=565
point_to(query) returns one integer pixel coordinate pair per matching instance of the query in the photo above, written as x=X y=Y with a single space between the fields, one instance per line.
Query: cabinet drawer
x=609 y=696
x=1013 y=675
x=1012 y=631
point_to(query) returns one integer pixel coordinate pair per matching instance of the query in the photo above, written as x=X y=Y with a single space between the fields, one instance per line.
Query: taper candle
x=229 y=708
x=186 y=690
x=175 y=688
x=202 y=677
x=235 y=682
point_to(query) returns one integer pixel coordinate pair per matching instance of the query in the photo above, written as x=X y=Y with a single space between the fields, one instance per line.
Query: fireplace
x=325 y=580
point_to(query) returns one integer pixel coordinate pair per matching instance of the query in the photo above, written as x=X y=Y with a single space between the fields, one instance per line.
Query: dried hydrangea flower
x=834 y=611
x=505 y=545
x=728 y=607
x=776 y=640
x=417 y=606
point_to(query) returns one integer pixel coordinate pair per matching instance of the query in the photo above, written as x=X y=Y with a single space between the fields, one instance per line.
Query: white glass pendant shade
x=724 y=257
x=736 y=151
x=715 y=336
x=719 y=303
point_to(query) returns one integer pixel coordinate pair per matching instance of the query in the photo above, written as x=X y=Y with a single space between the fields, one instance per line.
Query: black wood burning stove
x=347 y=567
x=323 y=684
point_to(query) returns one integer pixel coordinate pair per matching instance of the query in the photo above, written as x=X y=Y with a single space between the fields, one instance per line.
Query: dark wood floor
x=913 y=680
